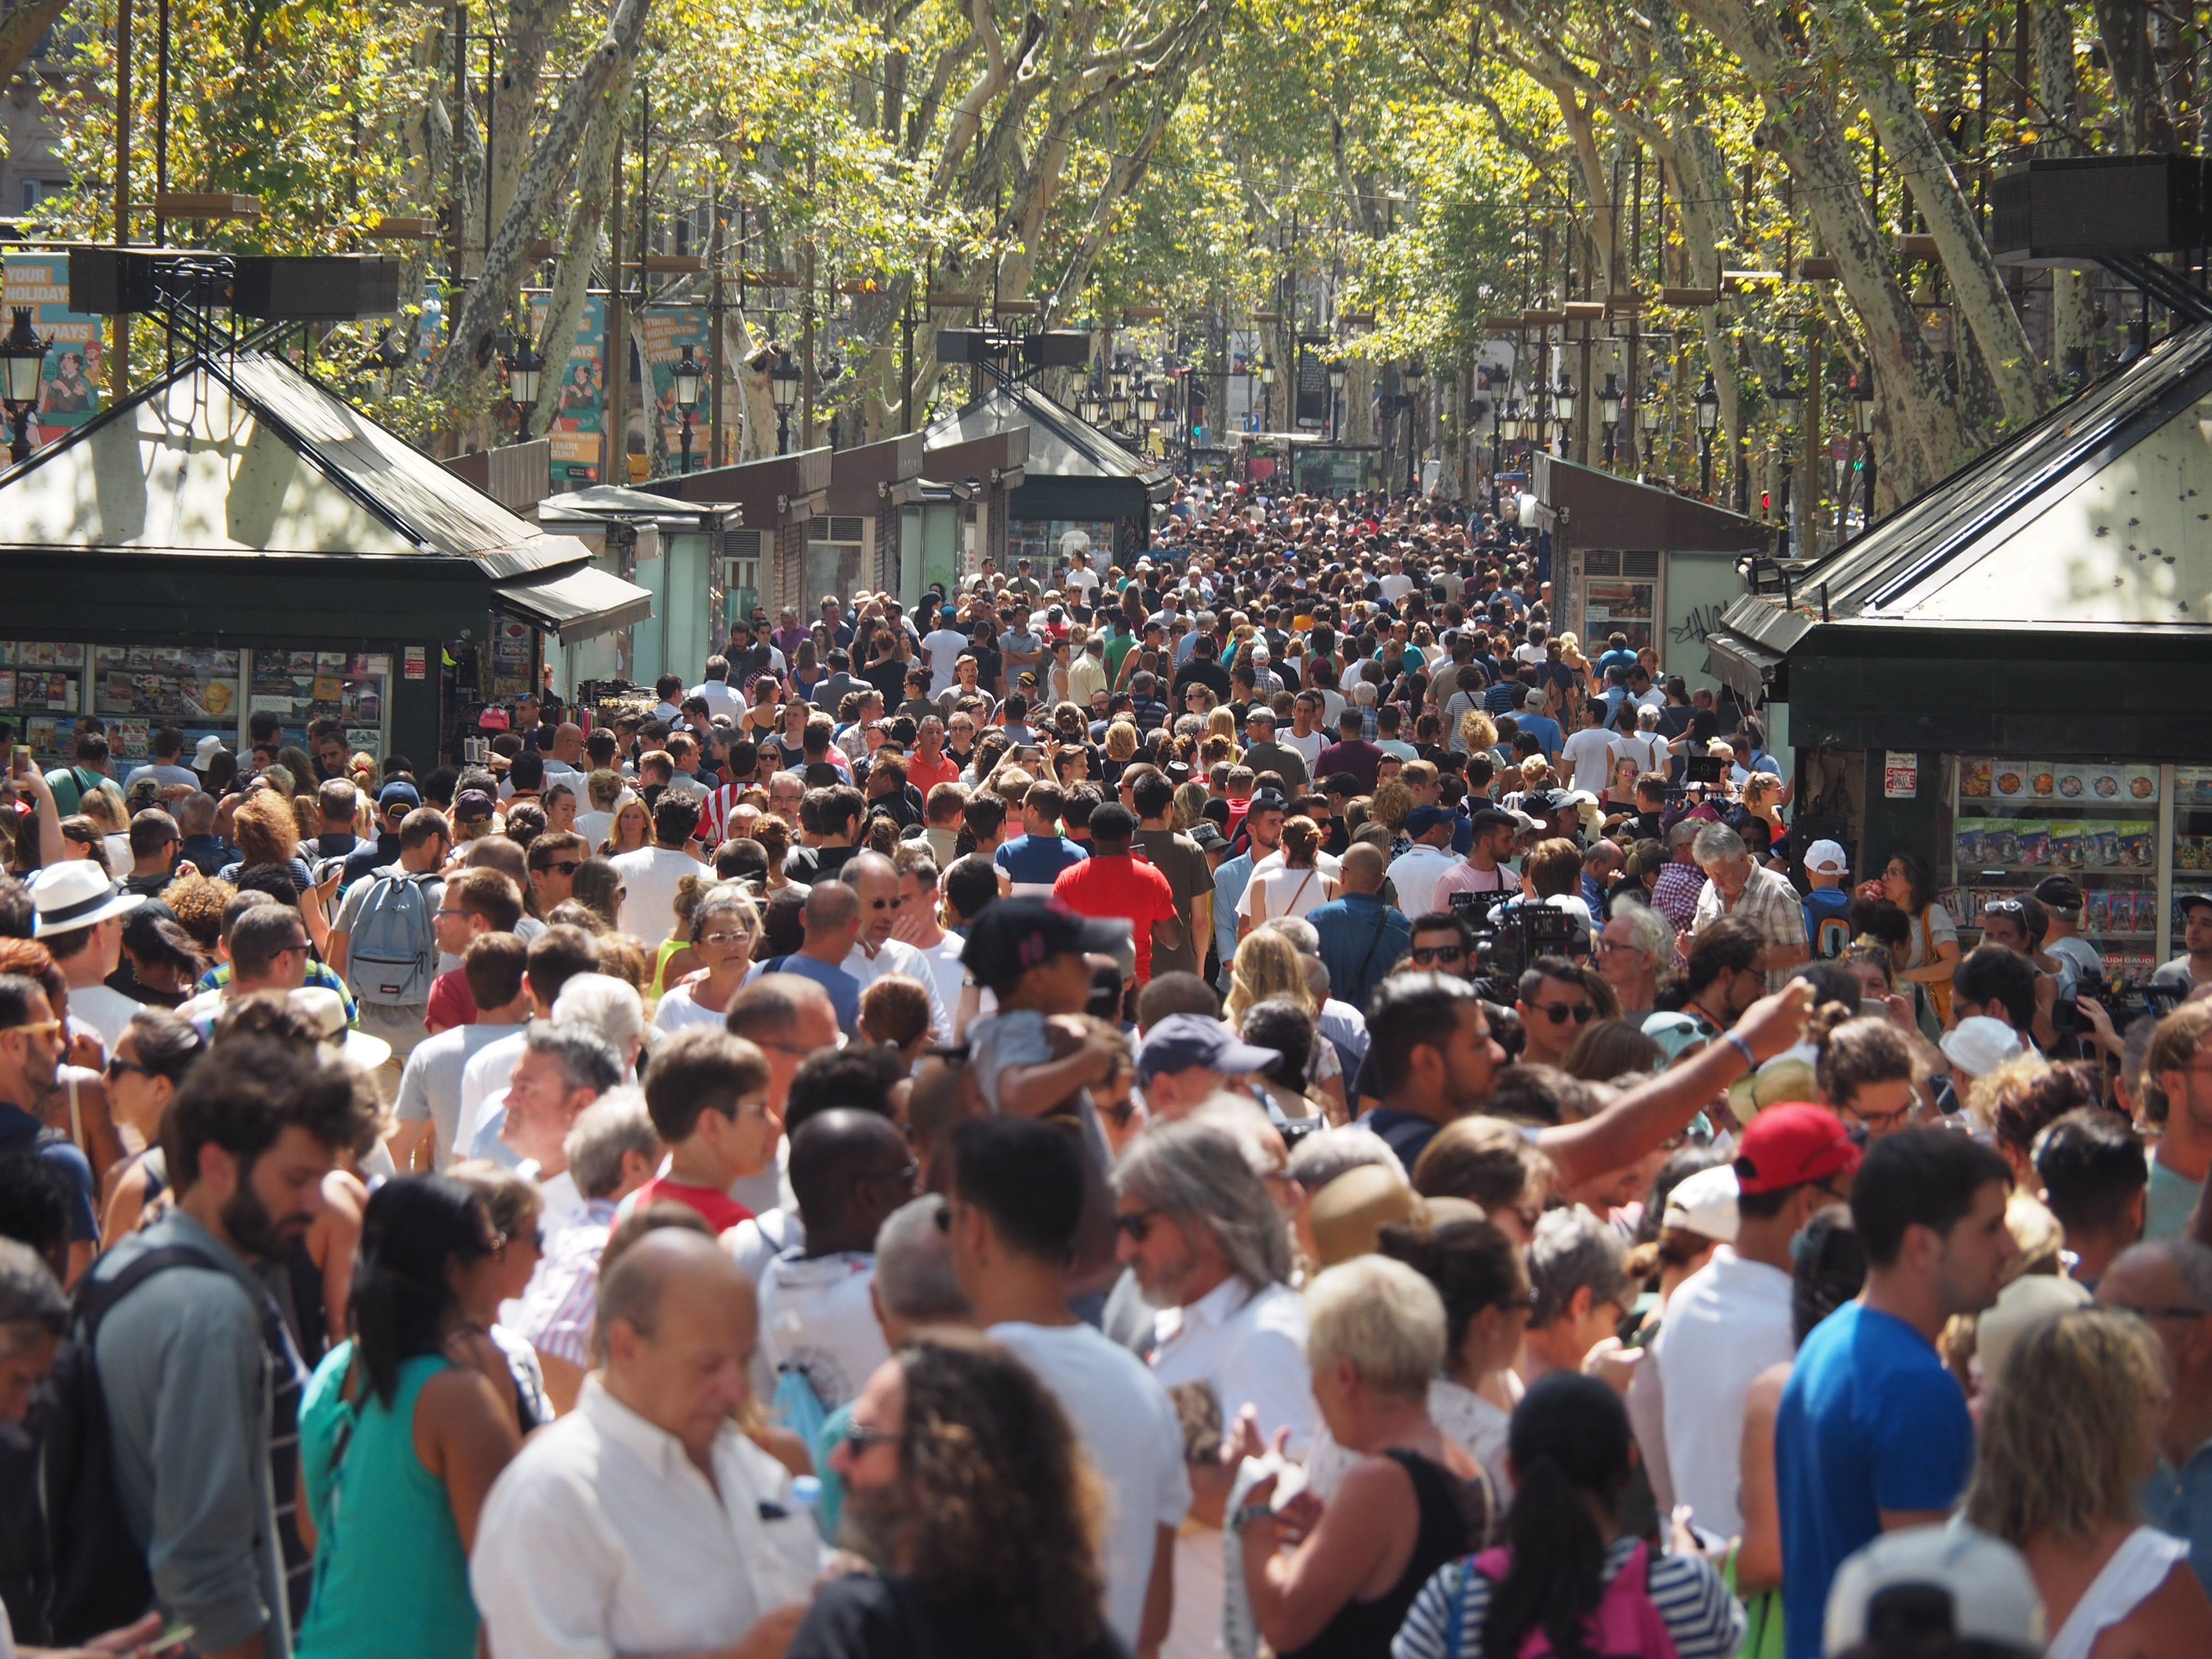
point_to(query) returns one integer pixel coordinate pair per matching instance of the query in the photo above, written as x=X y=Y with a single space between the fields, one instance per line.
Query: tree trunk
x=597 y=84
x=21 y=30
x=530 y=26
x=579 y=245
x=1977 y=287
x=2146 y=125
x=2073 y=316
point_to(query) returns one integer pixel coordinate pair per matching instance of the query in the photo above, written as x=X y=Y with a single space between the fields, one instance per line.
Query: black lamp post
x=526 y=373
x=1786 y=396
x=1267 y=393
x=1499 y=419
x=1413 y=378
x=1563 y=409
x=783 y=381
x=1337 y=375
x=1862 y=417
x=25 y=355
x=687 y=375
x=1708 y=404
x=1609 y=408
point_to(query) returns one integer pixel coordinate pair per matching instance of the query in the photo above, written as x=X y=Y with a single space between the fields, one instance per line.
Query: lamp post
x=1413 y=378
x=1609 y=408
x=687 y=375
x=1708 y=404
x=1498 y=420
x=1862 y=417
x=783 y=385
x=25 y=355
x=1267 y=393
x=1563 y=409
x=1786 y=397
x=526 y=373
x=1337 y=375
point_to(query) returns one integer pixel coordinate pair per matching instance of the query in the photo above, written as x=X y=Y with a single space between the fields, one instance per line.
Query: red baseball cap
x=1792 y=1145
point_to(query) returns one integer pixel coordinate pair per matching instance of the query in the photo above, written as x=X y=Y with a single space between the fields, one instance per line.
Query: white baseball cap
x=1933 y=1582
x=1826 y=857
x=1978 y=1045
x=1705 y=1203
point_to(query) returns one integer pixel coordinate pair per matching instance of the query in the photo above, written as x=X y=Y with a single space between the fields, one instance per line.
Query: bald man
x=831 y=917
x=850 y=1169
x=875 y=884
x=1360 y=935
x=595 y=1540
x=788 y=1018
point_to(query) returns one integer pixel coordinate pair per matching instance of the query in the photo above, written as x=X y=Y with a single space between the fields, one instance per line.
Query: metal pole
x=614 y=353
x=118 y=362
x=160 y=117
x=715 y=453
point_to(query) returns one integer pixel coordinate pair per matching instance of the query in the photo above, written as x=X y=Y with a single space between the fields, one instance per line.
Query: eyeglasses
x=1559 y=1012
x=859 y=1437
x=1137 y=1223
x=450 y=913
x=563 y=867
x=1424 y=955
x=726 y=939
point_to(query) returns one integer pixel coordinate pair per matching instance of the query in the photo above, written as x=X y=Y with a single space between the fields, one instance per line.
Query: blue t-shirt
x=1036 y=861
x=1827 y=923
x=1870 y=1421
x=844 y=990
x=1545 y=730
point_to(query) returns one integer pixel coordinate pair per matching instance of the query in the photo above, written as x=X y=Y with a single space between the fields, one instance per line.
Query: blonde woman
x=2068 y=1435
x=1121 y=744
x=1267 y=964
x=630 y=829
x=1476 y=734
x=1190 y=800
x=1221 y=722
x=1392 y=801
x=1296 y=887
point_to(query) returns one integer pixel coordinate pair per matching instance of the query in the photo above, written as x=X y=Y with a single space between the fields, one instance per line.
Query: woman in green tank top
x=398 y=1441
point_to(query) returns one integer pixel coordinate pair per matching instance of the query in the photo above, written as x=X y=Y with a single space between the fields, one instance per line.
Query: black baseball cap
x=1010 y=938
x=2060 y=893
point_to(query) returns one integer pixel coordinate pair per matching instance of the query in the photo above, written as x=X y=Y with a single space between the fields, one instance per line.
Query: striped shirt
x=1704 y=1620
x=563 y=1295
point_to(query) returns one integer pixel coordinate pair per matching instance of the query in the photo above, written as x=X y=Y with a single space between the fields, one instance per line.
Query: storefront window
x=41 y=694
x=1039 y=540
x=302 y=686
x=2021 y=821
x=138 y=687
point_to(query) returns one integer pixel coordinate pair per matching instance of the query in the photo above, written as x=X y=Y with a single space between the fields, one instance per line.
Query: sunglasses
x=34 y=1028
x=564 y=867
x=117 y=1068
x=1559 y=1012
x=1425 y=955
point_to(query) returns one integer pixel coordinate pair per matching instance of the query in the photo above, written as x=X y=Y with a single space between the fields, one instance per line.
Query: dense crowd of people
x=1247 y=1095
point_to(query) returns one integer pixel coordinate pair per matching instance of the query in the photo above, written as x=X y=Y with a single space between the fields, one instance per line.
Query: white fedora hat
x=76 y=893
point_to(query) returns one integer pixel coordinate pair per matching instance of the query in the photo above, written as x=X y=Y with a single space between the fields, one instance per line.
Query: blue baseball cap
x=1422 y=819
x=1182 y=1042
x=396 y=793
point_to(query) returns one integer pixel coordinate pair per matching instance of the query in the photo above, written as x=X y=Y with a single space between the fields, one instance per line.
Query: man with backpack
x=171 y=1452
x=384 y=941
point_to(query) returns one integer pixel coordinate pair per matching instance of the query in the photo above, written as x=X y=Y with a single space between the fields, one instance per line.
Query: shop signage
x=1900 y=775
x=417 y=663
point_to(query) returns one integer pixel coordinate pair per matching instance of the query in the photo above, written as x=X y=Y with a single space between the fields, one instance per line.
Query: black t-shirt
x=888 y=676
x=988 y=665
x=863 y=1616
x=1206 y=671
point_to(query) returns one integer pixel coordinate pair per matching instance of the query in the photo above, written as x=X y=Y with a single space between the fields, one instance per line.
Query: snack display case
x=2106 y=824
x=42 y=693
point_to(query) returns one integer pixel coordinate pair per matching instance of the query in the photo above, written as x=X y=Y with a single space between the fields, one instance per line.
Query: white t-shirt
x=678 y=1011
x=1647 y=749
x=1727 y=1322
x=594 y=828
x=1288 y=893
x=1122 y=1416
x=1395 y=587
x=1415 y=872
x=1309 y=747
x=944 y=646
x=1589 y=751
x=105 y=1010
x=817 y=1316
x=650 y=876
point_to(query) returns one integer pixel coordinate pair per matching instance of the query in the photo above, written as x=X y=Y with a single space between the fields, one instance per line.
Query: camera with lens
x=1505 y=939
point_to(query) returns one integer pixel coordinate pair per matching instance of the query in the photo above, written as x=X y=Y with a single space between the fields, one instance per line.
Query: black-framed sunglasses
x=563 y=867
x=1559 y=1012
x=1423 y=956
x=117 y=1068
x=1138 y=1223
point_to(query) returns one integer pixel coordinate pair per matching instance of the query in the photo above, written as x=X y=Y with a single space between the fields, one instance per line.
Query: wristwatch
x=1251 y=1512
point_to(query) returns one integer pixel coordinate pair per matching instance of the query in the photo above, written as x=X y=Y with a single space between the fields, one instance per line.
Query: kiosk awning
x=579 y=601
x=1744 y=666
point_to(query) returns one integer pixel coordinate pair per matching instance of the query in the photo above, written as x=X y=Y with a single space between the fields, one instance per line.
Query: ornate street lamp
x=1267 y=392
x=1609 y=408
x=1708 y=405
x=1563 y=408
x=1337 y=374
x=25 y=355
x=1787 y=397
x=526 y=375
x=688 y=374
x=783 y=381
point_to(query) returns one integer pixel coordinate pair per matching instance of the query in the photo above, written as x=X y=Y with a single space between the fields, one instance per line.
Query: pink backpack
x=1626 y=1626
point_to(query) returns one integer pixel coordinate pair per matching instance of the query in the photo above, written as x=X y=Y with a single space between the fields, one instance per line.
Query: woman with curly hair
x=967 y=1489
x=267 y=831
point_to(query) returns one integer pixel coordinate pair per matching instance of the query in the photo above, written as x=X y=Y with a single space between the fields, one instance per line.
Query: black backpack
x=100 y=1579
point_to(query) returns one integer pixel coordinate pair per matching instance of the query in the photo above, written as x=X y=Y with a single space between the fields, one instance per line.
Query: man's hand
x=1777 y=1021
x=1612 y=1363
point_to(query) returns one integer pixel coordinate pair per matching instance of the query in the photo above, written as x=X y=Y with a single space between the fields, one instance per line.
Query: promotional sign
x=70 y=383
x=1901 y=776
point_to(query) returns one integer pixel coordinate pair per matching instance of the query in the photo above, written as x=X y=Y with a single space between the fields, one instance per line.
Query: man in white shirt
x=651 y=874
x=1305 y=734
x=1731 y=1319
x=562 y=1070
x=1646 y=747
x=1416 y=871
x=555 y=957
x=1396 y=583
x=875 y=882
x=941 y=648
x=1016 y=1192
x=79 y=914
x=1230 y=1327
x=715 y=687
x=429 y=1102
x=1589 y=751
x=645 y=1521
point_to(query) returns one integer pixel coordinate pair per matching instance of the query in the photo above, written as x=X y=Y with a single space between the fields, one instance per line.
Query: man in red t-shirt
x=707 y=1096
x=929 y=765
x=1121 y=885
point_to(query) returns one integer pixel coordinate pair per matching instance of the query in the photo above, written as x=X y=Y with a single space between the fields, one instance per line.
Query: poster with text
x=70 y=385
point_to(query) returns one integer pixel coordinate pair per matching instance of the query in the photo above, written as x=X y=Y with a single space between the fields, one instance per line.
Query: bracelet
x=1750 y=1059
x=1249 y=1513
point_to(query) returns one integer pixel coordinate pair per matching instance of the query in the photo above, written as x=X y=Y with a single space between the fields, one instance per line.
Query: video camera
x=1506 y=940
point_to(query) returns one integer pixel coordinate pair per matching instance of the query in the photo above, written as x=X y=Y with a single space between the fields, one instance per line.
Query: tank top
x=2138 y=1568
x=383 y=1521
x=1454 y=1521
